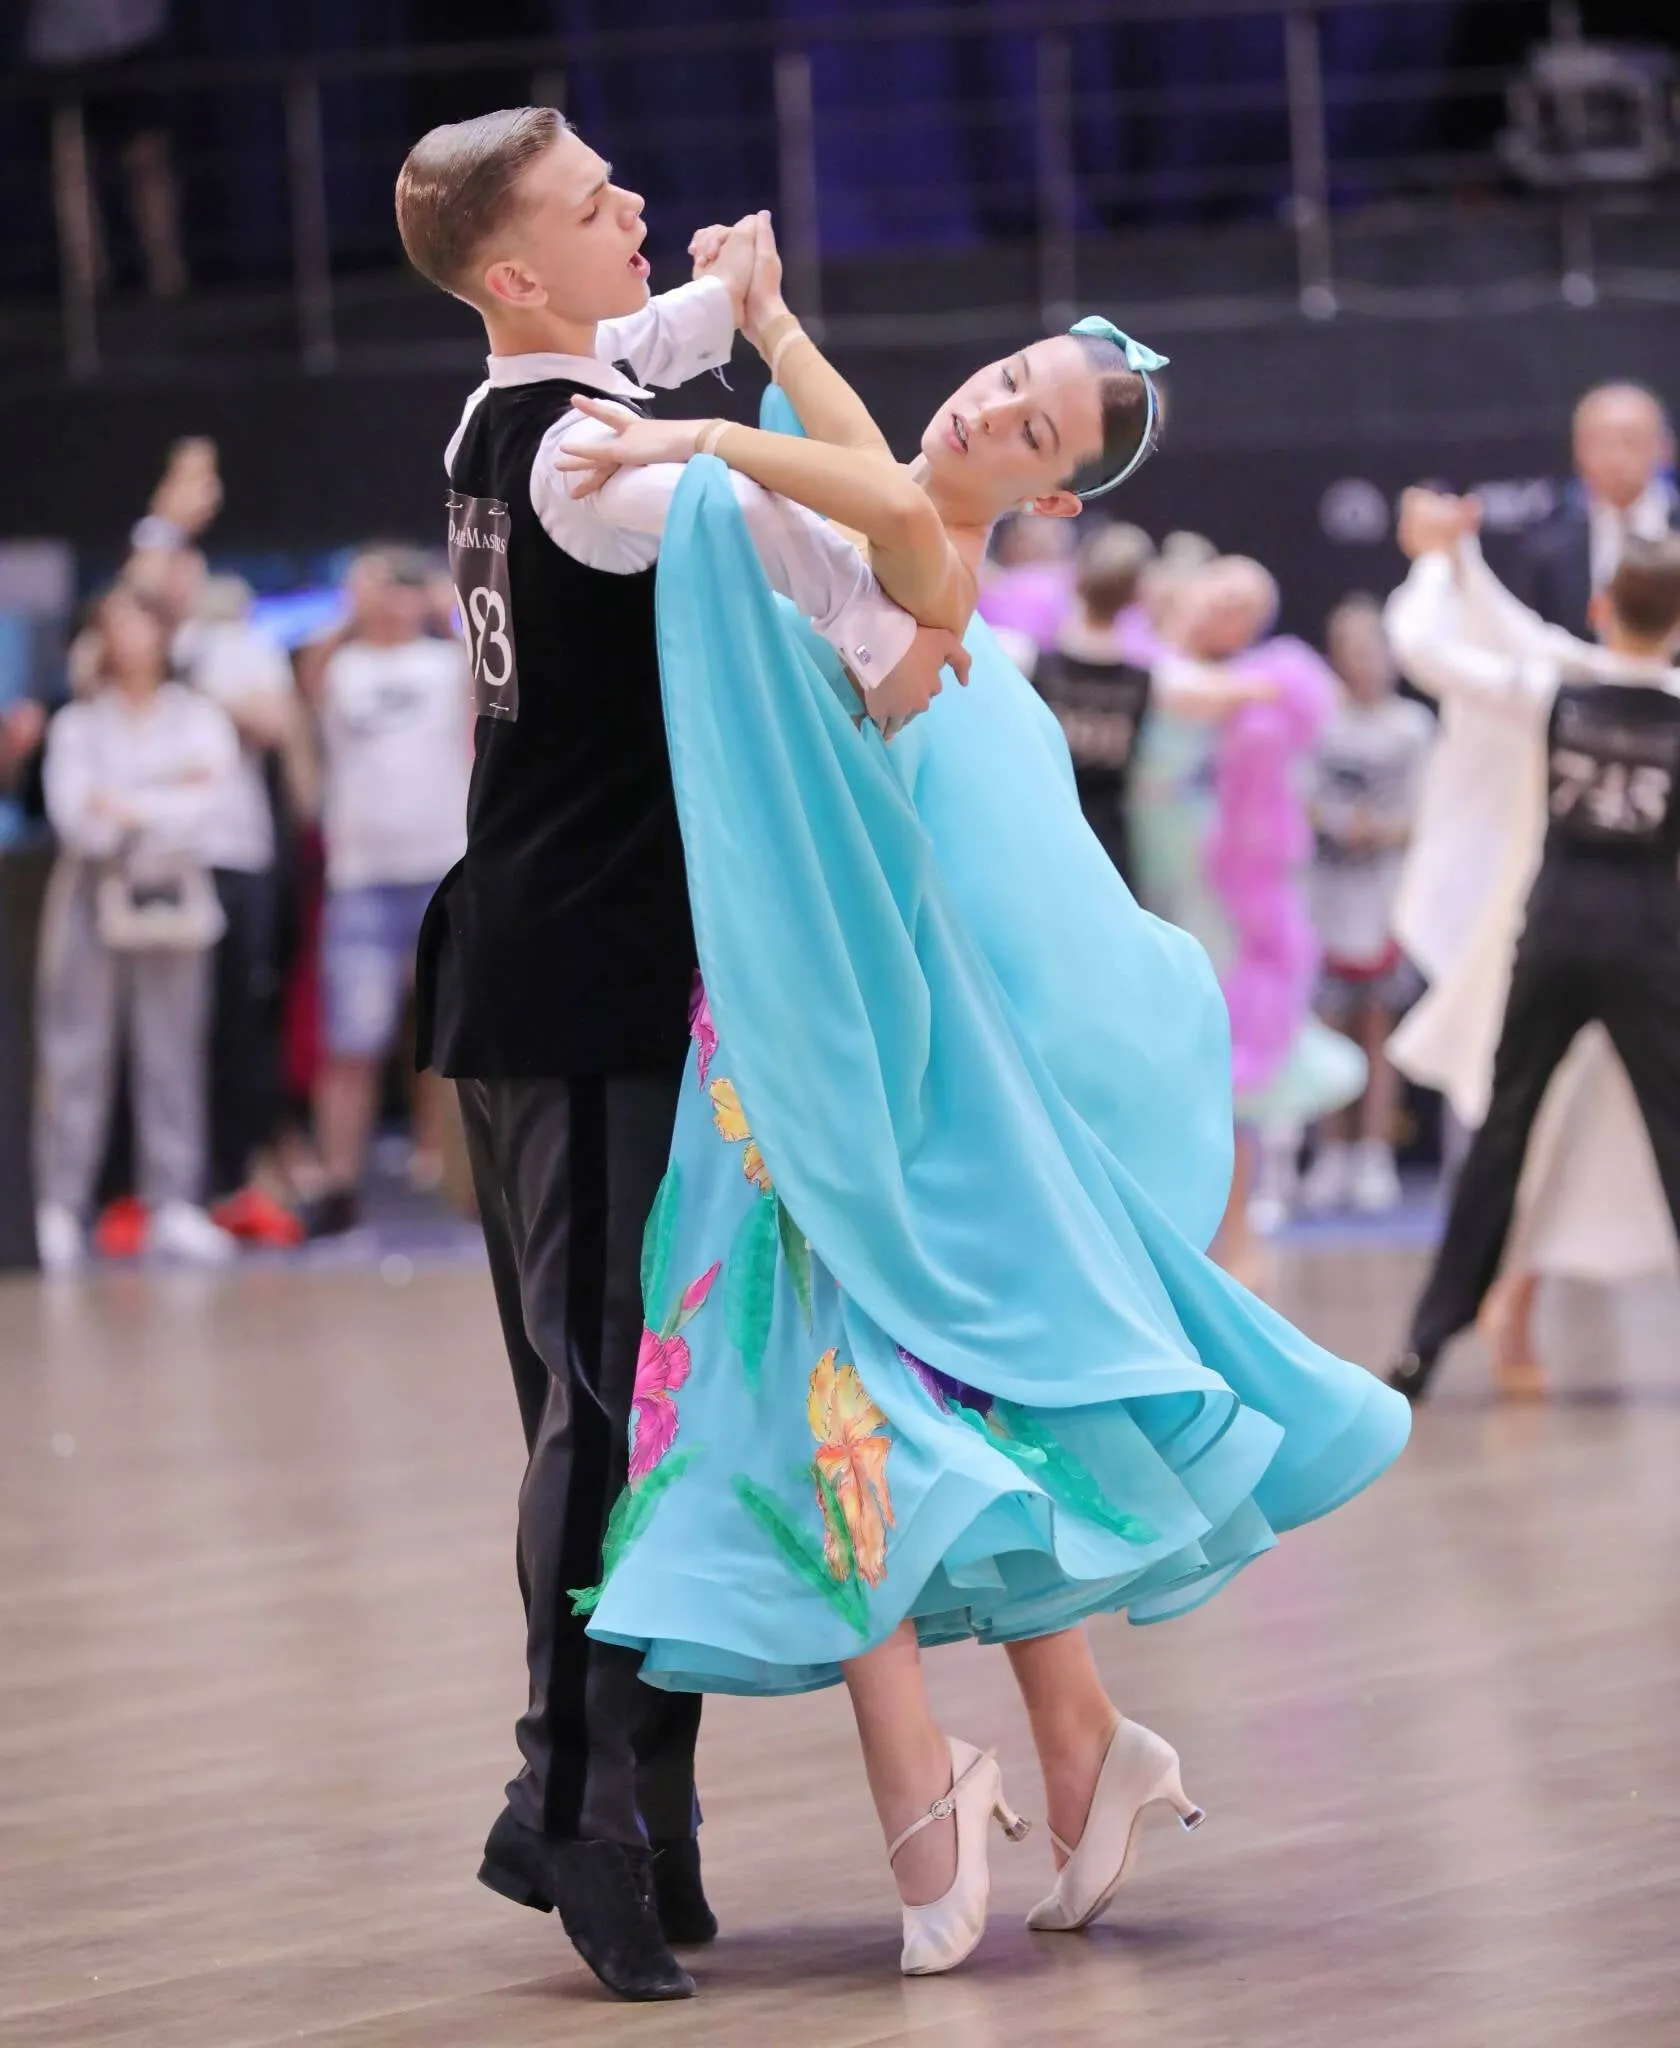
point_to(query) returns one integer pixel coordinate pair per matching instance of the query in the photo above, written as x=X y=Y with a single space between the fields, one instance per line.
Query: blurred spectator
x=1368 y=784
x=133 y=776
x=395 y=713
x=22 y=726
x=1027 y=582
x=1153 y=626
x=1100 y=698
x=1624 y=450
x=221 y=653
x=66 y=35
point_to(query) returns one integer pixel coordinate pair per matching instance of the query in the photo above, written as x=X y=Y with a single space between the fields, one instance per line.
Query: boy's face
x=574 y=248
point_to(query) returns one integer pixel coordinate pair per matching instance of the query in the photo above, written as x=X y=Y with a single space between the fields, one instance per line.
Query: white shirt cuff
x=872 y=636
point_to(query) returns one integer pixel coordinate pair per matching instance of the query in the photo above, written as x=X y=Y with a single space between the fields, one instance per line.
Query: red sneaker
x=121 y=1230
x=256 y=1218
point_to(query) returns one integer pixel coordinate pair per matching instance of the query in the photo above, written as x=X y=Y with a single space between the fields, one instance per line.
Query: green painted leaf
x=749 y=1286
x=801 y=1553
x=631 y=1513
x=796 y=1251
x=1019 y=1434
x=657 y=1239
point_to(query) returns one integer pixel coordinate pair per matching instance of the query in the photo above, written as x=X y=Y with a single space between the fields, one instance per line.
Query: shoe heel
x=513 y=1887
x=1190 y=1815
x=1014 y=1826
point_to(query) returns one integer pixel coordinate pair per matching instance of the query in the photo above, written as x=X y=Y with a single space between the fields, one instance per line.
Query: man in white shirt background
x=1624 y=453
x=394 y=712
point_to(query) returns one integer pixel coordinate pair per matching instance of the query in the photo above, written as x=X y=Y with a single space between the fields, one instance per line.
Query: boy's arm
x=676 y=335
x=804 y=558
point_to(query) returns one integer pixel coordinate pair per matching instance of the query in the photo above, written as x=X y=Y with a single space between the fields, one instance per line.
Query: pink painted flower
x=700 y=1026
x=662 y=1365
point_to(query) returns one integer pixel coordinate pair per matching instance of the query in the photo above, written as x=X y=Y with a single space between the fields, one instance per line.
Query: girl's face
x=1014 y=432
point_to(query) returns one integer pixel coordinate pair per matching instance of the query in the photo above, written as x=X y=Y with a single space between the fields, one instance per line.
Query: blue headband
x=1142 y=360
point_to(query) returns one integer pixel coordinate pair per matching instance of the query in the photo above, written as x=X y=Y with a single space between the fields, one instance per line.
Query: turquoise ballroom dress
x=930 y=1328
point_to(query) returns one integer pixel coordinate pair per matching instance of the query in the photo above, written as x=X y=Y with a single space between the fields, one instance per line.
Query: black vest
x=1610 y=874
x=562 y=943
x=1101 y=706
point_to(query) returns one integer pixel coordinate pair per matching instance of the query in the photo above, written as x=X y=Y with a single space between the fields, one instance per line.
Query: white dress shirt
x=1609 y=528
x=674 y=337
x=1456 y=630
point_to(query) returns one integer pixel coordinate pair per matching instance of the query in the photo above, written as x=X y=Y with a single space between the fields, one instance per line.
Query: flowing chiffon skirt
x=930 y=1328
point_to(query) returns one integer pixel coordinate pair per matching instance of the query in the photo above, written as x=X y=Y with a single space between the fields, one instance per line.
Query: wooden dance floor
x=259 y=1660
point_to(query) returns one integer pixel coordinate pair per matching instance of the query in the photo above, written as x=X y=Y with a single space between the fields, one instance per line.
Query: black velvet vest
x=562 y=943
x=1610 y=876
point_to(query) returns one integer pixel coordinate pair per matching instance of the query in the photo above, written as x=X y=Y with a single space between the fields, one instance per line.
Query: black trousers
x=565 y=1172
x=245 y=1036
x=1555 y=993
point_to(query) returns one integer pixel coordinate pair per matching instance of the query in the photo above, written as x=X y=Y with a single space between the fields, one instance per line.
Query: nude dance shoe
x=1139 y=1771
x=939 y=1936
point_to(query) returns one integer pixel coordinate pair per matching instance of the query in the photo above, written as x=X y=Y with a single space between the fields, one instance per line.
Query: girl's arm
x=910 y=551
x=828 y=408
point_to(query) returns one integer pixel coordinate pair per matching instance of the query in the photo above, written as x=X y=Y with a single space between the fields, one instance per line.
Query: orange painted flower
x=852 y=1458
x=727 y=1112
x=753 y=1166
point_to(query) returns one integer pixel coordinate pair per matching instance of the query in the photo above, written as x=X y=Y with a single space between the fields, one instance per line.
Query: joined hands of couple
x=745 y=259
x=1434 y=522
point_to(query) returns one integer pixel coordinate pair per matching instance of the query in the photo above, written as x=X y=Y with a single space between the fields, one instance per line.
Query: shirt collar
x=547 y=367
x=1651 y=508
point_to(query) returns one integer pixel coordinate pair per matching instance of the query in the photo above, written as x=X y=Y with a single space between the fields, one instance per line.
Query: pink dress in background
x=1284 y=1063
x=1032 y=600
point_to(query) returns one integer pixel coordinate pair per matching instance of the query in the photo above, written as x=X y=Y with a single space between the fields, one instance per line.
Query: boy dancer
x=556 y=960
x=1601 y=939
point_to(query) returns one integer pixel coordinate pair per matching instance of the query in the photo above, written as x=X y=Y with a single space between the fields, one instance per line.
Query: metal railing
x=1301 y=182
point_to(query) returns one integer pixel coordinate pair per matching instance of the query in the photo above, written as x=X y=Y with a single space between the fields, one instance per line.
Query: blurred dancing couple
x=847 y=1140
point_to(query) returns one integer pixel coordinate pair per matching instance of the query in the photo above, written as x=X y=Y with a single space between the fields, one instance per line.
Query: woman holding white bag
x=132 y=775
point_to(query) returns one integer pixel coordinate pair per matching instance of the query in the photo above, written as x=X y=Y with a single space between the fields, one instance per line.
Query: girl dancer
x=931 y=1349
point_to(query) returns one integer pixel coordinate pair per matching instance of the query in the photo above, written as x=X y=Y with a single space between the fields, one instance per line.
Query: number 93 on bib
x=478 y=566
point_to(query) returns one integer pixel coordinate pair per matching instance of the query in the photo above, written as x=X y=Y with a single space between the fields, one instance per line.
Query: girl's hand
x=589 y=462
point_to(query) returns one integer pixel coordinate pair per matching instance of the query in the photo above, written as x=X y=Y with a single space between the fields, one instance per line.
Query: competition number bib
x=1612 y=776
x=478 y=566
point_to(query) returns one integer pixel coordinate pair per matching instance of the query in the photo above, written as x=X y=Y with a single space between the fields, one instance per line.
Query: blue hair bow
x=1142 y=359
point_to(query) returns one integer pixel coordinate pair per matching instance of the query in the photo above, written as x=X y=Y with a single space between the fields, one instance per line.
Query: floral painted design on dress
x=727 y=1113
x=1030 y=1446
x=851 y=1471
x=733 y=1128
x=662 y=1366
x=944 y=1392
x=700 y=1026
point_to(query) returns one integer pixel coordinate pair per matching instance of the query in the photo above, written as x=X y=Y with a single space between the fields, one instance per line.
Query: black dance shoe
x=604 y=1896
x=687 y=1920
x=1412 y=1371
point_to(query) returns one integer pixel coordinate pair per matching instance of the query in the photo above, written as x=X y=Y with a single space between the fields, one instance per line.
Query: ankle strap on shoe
x=942 y=1808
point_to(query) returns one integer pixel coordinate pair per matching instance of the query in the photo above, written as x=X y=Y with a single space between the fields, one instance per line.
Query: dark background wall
x=1263 y=424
